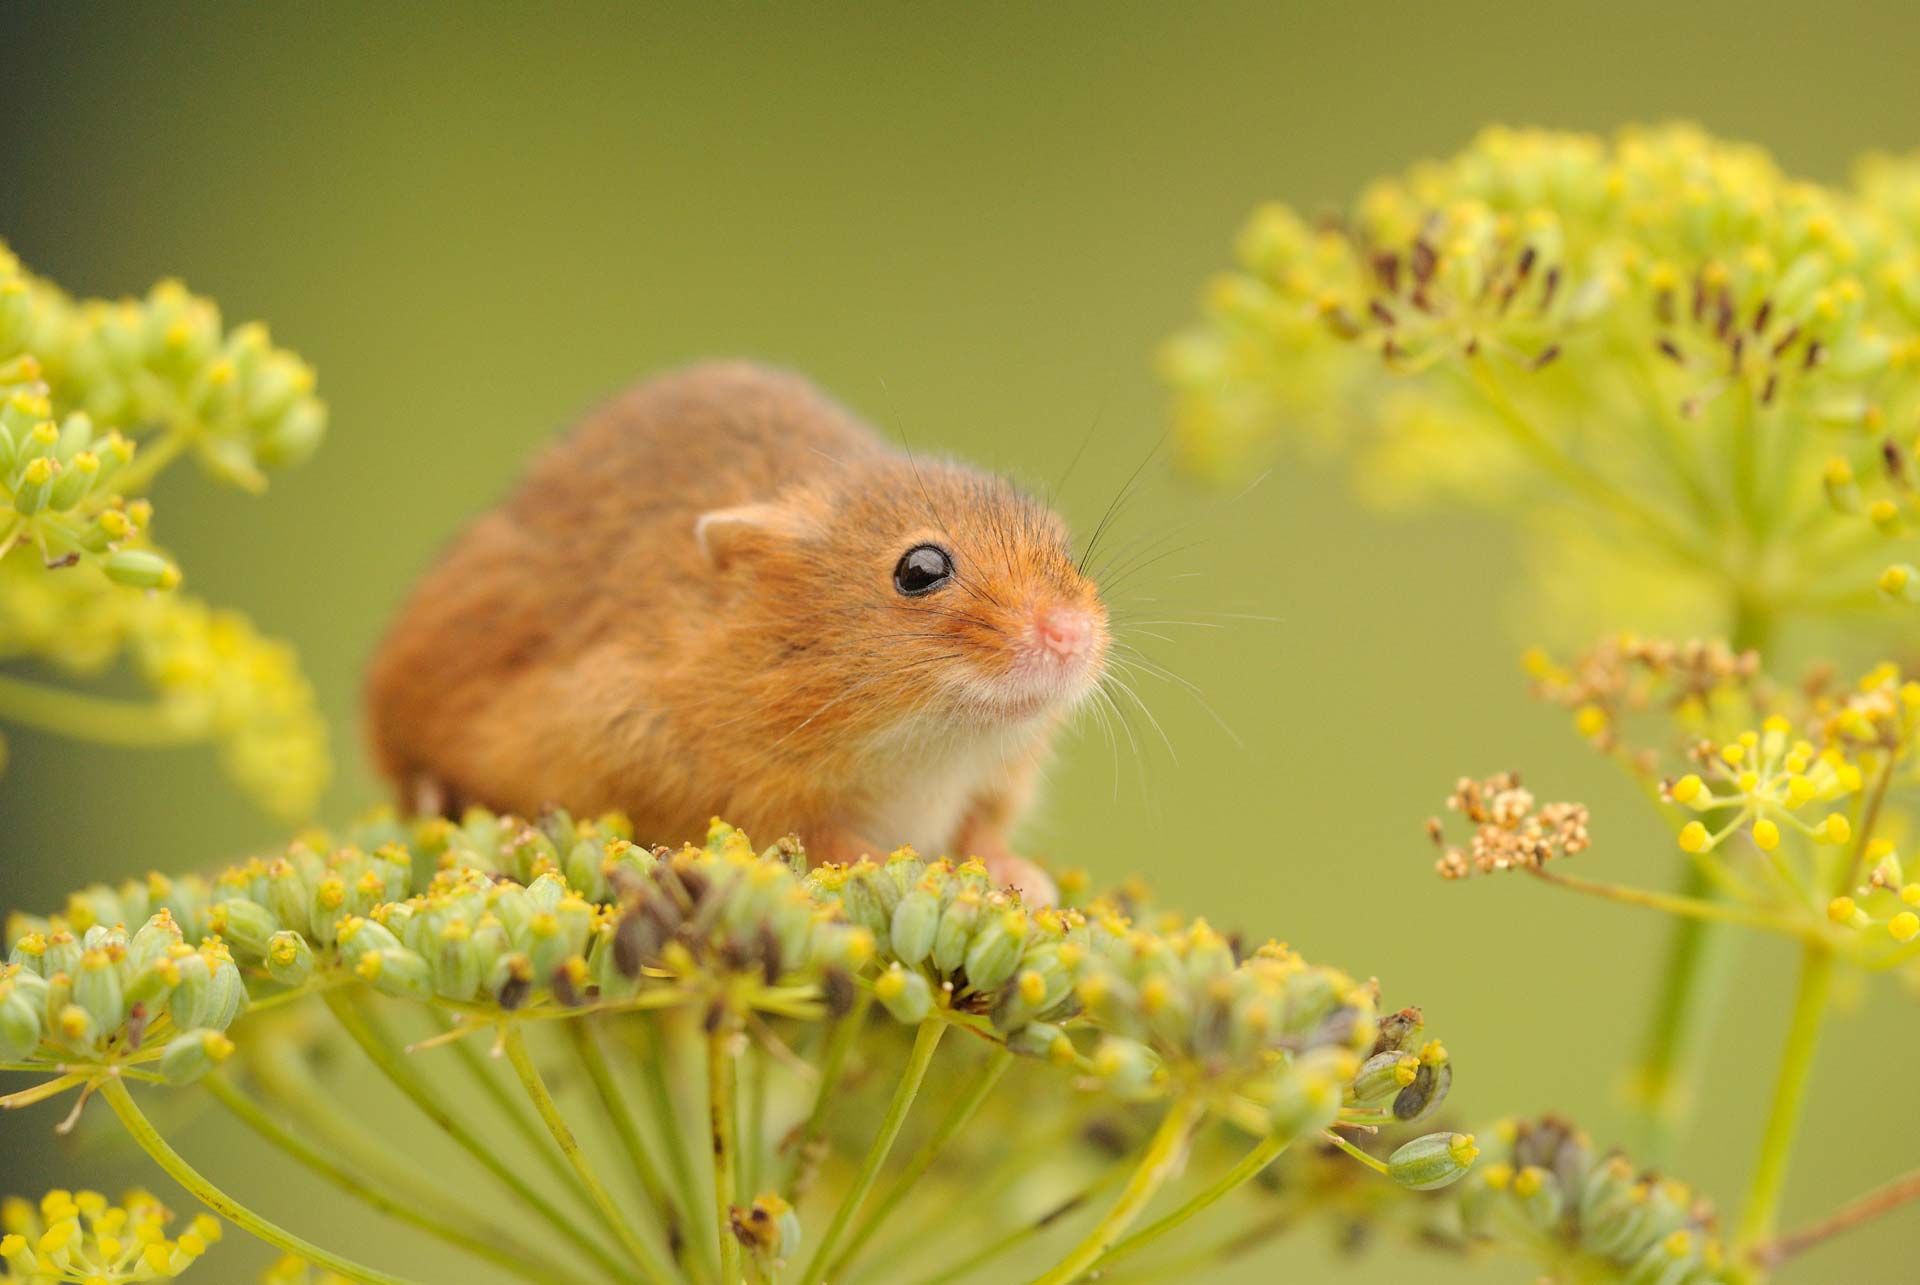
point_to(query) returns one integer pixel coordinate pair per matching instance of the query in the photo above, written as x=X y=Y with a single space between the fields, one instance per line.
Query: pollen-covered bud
x=1308 y=1100
x=1434 y=1161
x=995 y=950
x=1842 y=487
x=1043 y=1040
x=1127 y=1066
x=246 y=924
x=905 y=994
x=396 y=971
x=1901 y=582
x=1432 y=1079
x=19 y=1020
x=211 y=992
x=97 y=988
x=140 y=569
x=289 y=959
x=1539 y=1194
x=191 y=1055
x=915 y=921
x=955 y=933
x=1384 y=1074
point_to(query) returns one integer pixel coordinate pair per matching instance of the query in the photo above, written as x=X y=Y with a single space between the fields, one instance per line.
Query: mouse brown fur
x=690 y=606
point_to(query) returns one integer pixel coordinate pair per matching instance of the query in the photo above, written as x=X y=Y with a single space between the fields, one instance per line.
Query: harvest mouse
x=723 y=594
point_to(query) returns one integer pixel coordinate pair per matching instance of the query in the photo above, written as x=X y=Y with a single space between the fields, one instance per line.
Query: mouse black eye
x=922 y=569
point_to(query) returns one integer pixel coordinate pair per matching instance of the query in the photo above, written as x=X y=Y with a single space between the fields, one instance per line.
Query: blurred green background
x=974 y=226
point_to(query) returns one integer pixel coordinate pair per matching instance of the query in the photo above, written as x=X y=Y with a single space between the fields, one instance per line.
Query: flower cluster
x=1548 y=1190
x=1787 y=796
x=1509 y=832
x=95 y=399
x=57 y=483
x=107 y=995
x=507 y=925
x=166 y=364
x=1678 y=336
x=79 y=1237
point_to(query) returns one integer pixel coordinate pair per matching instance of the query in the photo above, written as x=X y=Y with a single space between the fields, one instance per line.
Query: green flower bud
x=19 y=1023
x=1306 y=1101
x=1042 y=1039
x=140 y=569
x=62 y=955
x=1429 y=1088
x=358 y=936
x=862 y=901
x=155 y=941
x=246 y=924
x=1384 y=1074
x=915 y=921
x=995 y=951
x=192 y=1055
x=97 y=989
x=1539 y=1195
x=1434 y=1161
x=289 y=959
x=957 y=922
x=75 y=1028
x=585 y=870
x=210 y=992
x=1128 y=1066
x=905 y=994
x=396 y=971
x=76 y=479
x=458 y=963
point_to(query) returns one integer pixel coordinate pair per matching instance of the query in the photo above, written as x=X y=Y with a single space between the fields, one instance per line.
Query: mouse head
x=945 y=590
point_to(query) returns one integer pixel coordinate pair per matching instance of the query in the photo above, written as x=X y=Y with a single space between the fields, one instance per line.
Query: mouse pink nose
x=1066 y=631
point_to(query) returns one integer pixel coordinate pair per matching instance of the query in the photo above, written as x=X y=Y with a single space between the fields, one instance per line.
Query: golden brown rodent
x=722 y=594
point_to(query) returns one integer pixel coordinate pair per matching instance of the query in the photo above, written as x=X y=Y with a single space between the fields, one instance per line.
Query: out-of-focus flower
x=79 y=1237
x=1714 y=364
x=1545 y=1191
x=95 y=399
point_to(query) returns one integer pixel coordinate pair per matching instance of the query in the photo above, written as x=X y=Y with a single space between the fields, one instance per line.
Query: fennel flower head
x=1680 y=366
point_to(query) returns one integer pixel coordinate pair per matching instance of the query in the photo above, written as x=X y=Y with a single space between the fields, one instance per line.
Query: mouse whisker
x=1127 y=690
x=1118 y=502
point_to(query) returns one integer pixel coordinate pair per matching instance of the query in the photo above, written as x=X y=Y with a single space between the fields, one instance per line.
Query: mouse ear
x=725 y=534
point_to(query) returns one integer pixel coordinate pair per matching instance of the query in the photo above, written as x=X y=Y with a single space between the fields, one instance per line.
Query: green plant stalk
x=1685 y=907
x=644 y=1256
x=656 y=1074
x=722 y=1120
x=359 y=1026
x=903 y=1184
x=754 y=1134
x=283 y=1075
x=1263 y=1154
x=513 y=1112
x=925 y=1041
x=1694 y=980
x=1760 y=1216
x=82 y=717
x=221 y=1203
x=1162 y=1160
x=593 y=1061
x=934 y=1217
x=993 y=1249
x=1198 y=1264
x=831 y=1068
x=249 y=1113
